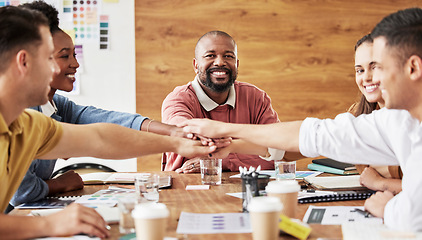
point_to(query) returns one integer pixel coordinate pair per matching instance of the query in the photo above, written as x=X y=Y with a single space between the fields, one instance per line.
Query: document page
x=337 y=215
x=353 y=231
x=205 y=223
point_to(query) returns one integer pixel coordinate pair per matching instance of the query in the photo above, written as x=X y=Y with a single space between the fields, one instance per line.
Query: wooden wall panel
x=299 y=52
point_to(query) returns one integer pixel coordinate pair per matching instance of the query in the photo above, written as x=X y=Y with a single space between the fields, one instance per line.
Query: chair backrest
x=77 y=166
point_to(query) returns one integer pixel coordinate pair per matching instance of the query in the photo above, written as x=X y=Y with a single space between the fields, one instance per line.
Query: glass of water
x=285 y=170
x=125 y=206
x=211 y=171
x=146 y=186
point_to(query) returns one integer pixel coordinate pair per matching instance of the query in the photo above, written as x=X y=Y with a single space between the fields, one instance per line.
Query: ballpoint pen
x=319 y=191
x=363 y=212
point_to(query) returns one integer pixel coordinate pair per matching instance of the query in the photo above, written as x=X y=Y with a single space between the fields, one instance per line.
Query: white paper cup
x=265 y=213
x=287 y=192
x=150 y=221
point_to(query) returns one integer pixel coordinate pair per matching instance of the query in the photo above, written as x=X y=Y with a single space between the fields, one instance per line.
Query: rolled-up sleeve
x=362 y=140
x=307 y=136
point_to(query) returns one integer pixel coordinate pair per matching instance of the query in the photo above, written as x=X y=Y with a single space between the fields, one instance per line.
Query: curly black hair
x=49 y=11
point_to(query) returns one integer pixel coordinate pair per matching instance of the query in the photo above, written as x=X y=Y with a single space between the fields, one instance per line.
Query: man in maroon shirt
x=215 y=94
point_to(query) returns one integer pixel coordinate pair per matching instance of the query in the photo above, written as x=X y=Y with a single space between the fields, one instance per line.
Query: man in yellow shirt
x=26 y=54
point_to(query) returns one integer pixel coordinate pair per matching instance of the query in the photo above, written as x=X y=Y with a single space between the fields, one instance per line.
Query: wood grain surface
x=215 y=200
x=300 y=52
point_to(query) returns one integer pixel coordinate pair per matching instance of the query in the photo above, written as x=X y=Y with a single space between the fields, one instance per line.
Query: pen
x=363 y=212
x=319 y=192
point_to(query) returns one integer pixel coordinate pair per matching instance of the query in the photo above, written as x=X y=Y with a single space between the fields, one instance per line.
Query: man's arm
x=74 y=219
x=282 y=135
x=236 y=146
x=110 y=141
x=334 y=138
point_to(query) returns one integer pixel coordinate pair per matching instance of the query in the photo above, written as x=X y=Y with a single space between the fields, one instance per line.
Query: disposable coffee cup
x=150 y=221
x=264 y=215
x=287 y=192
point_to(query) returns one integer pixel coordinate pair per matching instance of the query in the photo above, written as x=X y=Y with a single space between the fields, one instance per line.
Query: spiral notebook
x=325 y=196
x=50 y=202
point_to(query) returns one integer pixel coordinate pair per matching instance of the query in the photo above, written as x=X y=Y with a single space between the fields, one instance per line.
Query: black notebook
x=46 y=203
x=334 y=164
x=338 y=196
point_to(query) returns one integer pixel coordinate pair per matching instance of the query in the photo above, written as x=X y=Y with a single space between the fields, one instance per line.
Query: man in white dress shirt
x=390 y=136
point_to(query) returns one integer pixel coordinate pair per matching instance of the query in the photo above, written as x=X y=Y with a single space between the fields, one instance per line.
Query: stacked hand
x=192 y=165
x=203 y=127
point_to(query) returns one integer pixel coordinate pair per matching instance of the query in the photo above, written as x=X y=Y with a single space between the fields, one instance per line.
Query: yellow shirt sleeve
x=49 y=134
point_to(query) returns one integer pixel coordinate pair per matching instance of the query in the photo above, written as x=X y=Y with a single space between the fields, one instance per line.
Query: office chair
x=78 y=166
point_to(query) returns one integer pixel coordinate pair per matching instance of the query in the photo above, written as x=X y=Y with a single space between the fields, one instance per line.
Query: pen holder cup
x=251 y=185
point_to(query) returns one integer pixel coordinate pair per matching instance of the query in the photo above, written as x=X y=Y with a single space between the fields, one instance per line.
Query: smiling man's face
x=388 y=71
x=216 y=62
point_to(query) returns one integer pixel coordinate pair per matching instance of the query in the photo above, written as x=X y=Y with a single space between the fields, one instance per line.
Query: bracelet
x=149 y=123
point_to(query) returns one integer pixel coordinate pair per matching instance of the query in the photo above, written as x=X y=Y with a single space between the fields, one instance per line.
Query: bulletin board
x=106 y=54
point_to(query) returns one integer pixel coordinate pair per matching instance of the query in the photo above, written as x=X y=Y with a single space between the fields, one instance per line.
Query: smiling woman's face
x=363 y=69
x=64 y=54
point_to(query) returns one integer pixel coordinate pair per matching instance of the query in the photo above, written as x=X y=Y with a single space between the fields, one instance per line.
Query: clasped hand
x=192 y=165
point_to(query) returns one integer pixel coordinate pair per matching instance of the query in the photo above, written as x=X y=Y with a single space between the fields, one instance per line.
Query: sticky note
x=294 y=227
x=197 y=187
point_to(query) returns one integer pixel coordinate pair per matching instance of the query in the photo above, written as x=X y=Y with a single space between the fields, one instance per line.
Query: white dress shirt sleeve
x=404 y=211
x=360 y=140
x=385 y=137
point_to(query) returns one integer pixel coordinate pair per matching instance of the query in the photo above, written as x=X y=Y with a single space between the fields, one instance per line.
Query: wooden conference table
x=215 y=200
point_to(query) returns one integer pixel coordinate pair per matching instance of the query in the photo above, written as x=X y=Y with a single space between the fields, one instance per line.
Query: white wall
x=108 y=79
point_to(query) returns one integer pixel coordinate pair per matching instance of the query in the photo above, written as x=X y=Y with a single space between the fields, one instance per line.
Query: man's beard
x=219 y=88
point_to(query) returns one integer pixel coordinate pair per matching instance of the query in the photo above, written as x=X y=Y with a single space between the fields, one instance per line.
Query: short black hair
x=214 y=33
x=364 y=39
x=48 y=10
x=19 y=29
x=403 y=32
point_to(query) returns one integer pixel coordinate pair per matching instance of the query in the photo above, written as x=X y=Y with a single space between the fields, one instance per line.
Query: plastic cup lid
x=284 y=186
x=265 y=204
x=150 y=210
